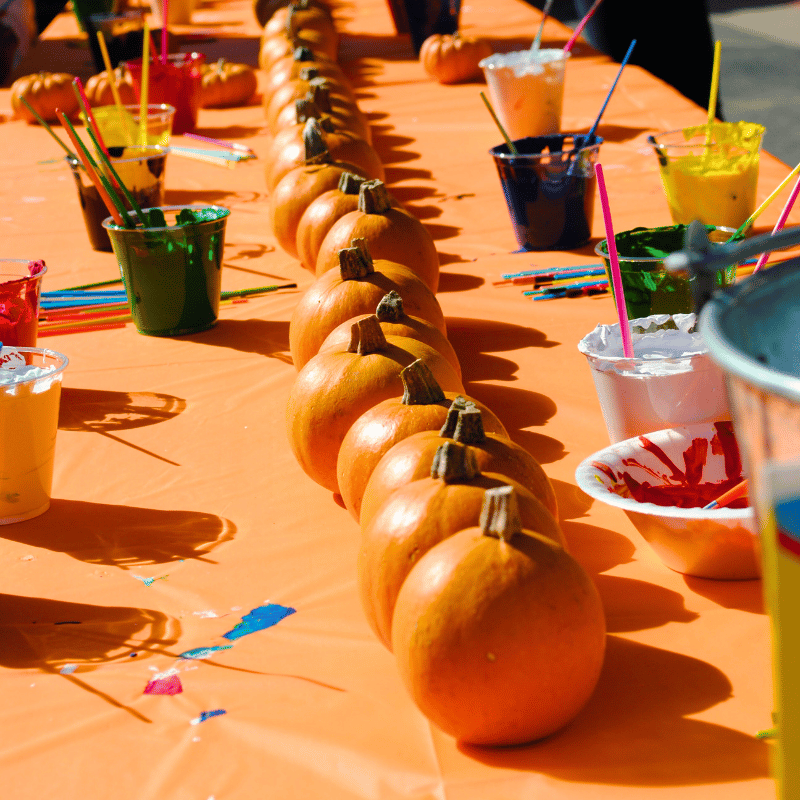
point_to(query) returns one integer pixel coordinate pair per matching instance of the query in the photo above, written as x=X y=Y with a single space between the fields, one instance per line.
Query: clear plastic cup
x=711 y=178
x=20 y=290
x=670 y=382
x=527 y=90
x=120 y=128
x=28 y=428
x=173 y=274
x=549 y=189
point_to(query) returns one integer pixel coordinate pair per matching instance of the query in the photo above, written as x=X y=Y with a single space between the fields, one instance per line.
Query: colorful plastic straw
x=499 y=124
x=712 y=100
x=590 y=135
x=165 y=12
x=222 y=143
x=762 y=259
x=738 y=491
x=112 y=82
x=91 y=122
x=616 y=277
x=49 y=129
x=100 y=182
x=545 y=14
x=145 y=90
x=757 y=213
x=581 y=25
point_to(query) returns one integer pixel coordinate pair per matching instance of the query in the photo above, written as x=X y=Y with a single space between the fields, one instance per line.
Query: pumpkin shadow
x=458 y=282
x=122 y=536
x=517 y=408
x=596 y=549
x=180 y=197
x=545 y=449
x=263 y=337
x=231 y=131
x=635 y=730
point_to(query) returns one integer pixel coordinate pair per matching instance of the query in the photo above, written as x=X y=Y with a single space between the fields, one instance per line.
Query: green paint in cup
x=648 y=287
x=173 y=274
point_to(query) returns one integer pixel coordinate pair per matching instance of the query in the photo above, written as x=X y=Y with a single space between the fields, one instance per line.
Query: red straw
x=581 y=25
x=164 y=32
x=616 y=277
x=779 y=224
x=89 y=116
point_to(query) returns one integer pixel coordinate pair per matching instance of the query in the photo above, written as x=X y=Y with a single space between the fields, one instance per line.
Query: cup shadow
x=122 y=536
x=264 y=337
x=635 y=730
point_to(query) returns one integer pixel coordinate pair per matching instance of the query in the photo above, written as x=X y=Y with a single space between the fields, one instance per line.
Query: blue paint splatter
x=68 y=669
x=150 y=581
x=204 y=652
x=204 y=715
x=259 y=619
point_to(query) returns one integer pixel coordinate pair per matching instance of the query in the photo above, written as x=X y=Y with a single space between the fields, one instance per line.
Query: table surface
x=178 y=506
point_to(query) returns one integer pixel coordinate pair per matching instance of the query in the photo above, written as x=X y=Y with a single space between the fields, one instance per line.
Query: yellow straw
x=712 y=100
x=757 y=213
x=112 y=82
x=145 y=86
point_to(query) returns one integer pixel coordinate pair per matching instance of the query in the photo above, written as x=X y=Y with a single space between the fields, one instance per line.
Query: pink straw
x=616 y=277
x=581 y=25
x=164 y=32
x=762 y=259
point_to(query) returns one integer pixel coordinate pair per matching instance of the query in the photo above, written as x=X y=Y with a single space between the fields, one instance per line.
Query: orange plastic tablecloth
x=178 y=507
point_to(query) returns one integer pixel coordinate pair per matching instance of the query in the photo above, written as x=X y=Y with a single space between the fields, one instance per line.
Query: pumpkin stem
x=319 y=90
x=449 y=427
x=305 y=109
x=454 y=462
x=366 y=336
x=500 y=513
x=354 y=263
x=469 y=427
x=316 y=149
x=374 y=198
x=349 y=183
x=303 y=54
x=390 y=308
x=419 y=386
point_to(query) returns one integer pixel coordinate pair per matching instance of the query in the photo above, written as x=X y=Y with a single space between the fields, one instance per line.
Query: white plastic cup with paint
x=670 y=382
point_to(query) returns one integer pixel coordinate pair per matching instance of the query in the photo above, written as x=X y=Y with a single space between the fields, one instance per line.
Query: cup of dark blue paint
x=549 y=188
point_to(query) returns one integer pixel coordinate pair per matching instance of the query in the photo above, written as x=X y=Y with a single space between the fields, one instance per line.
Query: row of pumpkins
x=463 y=572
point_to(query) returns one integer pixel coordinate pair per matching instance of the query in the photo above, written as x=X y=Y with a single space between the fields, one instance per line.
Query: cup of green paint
x=172 y=274
x=648 y=287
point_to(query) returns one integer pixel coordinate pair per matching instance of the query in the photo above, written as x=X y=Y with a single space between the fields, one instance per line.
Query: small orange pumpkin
x=44 y=92
x=422 y=514
x=498 y=633
x=335 y=388
x=99 y=92
x=225 y=85
x=453 y=58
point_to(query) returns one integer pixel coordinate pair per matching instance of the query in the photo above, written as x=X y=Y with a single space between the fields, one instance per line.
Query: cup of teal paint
x=172 y=274
x=647 y=285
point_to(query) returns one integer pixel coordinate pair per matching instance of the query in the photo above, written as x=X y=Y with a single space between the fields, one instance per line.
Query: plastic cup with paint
x=714 y=178
x=670 y=382
x=20 y=290
x=141 y=169
x=119 y=127
x=176 y=83
x=527 y=90
x=173 y=274
x=549 y=188
x=30 y=395
x=647 y=285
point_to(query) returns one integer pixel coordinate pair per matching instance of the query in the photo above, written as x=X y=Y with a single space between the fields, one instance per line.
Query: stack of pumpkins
x=497 y=631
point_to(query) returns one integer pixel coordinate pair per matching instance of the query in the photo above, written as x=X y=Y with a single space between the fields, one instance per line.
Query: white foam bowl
x=720 y=543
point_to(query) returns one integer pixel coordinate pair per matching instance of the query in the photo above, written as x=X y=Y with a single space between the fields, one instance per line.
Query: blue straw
x=590 y=135
x=564 y=288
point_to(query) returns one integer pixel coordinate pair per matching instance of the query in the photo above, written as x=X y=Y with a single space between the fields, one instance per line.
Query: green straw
x=50 y=130
x=497 y=122
x=96 y=285
x=256 y=290
x=120 y=206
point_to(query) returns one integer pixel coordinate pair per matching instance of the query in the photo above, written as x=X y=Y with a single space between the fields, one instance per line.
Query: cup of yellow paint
x=710 y=173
